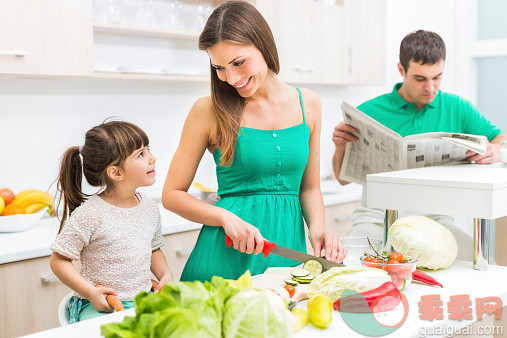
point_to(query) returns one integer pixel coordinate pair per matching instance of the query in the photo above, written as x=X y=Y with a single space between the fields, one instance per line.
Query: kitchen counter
x=35 y=242
x=459 y=279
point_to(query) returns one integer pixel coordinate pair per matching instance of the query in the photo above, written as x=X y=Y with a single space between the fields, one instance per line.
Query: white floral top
x=114 y=244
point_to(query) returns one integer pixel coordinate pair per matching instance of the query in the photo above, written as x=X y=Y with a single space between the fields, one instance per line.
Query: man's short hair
x=422 y=47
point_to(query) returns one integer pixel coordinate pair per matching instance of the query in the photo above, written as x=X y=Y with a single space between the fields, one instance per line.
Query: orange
x=13 y=209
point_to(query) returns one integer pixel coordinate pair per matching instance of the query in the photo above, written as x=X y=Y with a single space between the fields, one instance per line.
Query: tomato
x=290 y=289
x=396 y=256
x=368 y=258
x=391 y=266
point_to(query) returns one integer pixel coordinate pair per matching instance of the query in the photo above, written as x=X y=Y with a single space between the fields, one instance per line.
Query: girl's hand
x=97 y=297
x=163 y=281
x=245 y=237
x=334 y=250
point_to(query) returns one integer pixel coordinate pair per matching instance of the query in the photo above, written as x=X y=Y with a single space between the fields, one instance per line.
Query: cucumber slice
x=299 y=273
x=315 y=267
x=291 y=282
x=309 y=277
x=302 y=281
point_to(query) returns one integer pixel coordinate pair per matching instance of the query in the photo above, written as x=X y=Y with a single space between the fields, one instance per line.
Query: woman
x=265 y=137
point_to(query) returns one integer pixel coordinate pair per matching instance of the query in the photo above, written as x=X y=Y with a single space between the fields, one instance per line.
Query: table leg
x=481 y=243
x=390 y=217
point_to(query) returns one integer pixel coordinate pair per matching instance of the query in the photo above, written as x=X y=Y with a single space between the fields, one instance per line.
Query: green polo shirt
x=447 y=113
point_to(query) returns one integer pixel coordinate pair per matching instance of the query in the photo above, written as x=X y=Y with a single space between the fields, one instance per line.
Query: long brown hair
x=238 y=22
x=108 y=144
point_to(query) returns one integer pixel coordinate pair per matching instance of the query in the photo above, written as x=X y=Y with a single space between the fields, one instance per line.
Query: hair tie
x=80 y=149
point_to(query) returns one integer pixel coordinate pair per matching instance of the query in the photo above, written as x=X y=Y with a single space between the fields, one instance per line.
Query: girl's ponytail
x=69 y=183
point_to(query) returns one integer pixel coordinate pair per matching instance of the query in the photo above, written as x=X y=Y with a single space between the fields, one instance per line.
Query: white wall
x=39 y=118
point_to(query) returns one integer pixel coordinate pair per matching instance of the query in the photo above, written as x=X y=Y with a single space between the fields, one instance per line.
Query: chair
x=63 y=312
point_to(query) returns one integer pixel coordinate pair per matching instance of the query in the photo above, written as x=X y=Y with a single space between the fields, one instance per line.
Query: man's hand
x=343 y=134
x=489 y=157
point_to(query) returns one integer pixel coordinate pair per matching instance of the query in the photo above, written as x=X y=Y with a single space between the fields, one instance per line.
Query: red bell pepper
x=424 y=278
x=384 y=298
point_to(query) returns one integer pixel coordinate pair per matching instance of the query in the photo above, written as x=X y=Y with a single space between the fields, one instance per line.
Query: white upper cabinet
x=319 y=43
x=46 y=37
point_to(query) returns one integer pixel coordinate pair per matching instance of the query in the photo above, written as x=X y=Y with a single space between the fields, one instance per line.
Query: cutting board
x=273 y=278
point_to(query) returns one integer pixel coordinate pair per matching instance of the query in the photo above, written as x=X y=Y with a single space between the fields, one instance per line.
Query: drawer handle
x=13 y=53
x=183 y=252
x=344 y=218
x=304 y=69
x=48 y=279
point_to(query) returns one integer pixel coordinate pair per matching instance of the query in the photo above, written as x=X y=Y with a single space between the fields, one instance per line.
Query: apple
x=2 y=205
x=7 y=195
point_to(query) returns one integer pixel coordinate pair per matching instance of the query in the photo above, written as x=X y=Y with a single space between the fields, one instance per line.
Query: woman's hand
x=245 y=237
x=330 y=242
x=97 y=297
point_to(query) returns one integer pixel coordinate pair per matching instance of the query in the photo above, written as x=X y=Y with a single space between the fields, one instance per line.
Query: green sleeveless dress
x=262 y=188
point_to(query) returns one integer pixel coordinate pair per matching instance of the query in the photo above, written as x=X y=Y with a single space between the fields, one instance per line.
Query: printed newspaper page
x=379 y=149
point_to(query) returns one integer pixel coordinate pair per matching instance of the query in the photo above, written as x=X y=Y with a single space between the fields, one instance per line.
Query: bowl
x=20 y=222
x=357 y=246
x=401 y=273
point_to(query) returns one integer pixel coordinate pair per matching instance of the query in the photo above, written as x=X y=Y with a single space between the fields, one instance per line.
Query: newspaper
x=380 y=149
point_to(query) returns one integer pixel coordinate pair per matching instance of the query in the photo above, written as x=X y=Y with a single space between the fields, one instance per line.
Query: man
x=418 y=106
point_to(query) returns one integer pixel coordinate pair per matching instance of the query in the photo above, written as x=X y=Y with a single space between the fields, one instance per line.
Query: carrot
x=114 y=302
x=154 y=284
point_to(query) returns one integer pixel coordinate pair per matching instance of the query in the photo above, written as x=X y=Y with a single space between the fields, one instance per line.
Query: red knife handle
x=268 y=246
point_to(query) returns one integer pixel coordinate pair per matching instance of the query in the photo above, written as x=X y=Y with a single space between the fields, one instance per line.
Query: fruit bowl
x=20 y=222
x=358 y=246
x=401 y=273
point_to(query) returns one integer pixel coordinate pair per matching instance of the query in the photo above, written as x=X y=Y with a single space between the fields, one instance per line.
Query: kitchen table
x=458 y=279
x=467 y=190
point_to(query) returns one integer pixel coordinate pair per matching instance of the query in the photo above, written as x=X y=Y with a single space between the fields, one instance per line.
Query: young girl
x=117 y=233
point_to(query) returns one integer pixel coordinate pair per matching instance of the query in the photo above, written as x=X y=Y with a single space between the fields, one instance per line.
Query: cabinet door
x=365 y=33
x=46 y=37
x=338 y=217
x=292 y=24
x=177 y=249
x=330 y=44
x=30 y=295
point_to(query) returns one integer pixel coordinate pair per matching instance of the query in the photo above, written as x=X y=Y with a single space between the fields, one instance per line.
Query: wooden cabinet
x=177 y=249
x=320 y=43
x=29 y=297
x=309 y=39
x=365 y=41
x=46 y=37
x=337 y=220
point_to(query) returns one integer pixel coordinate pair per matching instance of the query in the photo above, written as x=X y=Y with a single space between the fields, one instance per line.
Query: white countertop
x=458 y=279
x=35 y=242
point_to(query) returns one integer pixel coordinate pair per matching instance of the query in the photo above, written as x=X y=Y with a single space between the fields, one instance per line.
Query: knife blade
x=295 y=255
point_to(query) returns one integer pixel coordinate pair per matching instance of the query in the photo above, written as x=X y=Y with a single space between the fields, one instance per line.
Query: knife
x=295 y=255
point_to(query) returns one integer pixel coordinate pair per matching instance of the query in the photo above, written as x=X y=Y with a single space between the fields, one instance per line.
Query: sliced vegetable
x=291 y=282
x=299 y=273
x=313 y=266
x=319 y=310
x=425 y=278
x=302 y=281
x=309 y=277
x=290 y=289
x=299 y=318
x=384 y=298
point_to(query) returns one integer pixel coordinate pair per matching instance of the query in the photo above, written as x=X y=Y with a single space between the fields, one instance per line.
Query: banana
x=28 y=197
x=34 y=207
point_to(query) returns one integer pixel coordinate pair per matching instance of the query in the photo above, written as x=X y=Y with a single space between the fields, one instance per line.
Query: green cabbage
x=429 y=241
x=256 y=313
x=335 y=280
